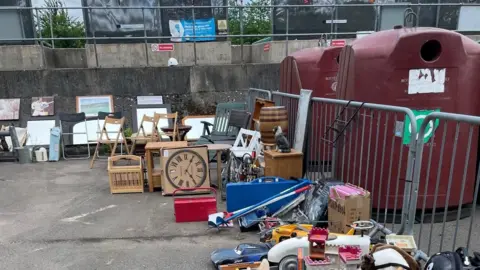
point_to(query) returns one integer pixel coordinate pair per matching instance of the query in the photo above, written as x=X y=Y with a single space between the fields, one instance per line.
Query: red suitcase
x=193 y=209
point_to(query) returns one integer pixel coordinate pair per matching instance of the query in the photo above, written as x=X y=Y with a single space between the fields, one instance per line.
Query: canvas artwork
x=10 y=109
x=91 y=105
x=43 y=106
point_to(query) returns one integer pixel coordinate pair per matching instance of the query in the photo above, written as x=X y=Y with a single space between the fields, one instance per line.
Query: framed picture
x=10 y=109
x=43 y=106
x=91 y=105
x=150 y=110
x=146 y=100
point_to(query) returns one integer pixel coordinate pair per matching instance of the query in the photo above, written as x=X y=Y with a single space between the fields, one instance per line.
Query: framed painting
x=10 y=109
x=43 y=106
x=91 y=105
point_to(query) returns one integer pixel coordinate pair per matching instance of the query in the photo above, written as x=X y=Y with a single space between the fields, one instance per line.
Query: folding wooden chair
x=142 y=136
x=111 y=125
x=165 y=120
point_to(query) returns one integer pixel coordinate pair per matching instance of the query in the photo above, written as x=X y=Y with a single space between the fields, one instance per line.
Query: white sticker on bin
x=426 y=80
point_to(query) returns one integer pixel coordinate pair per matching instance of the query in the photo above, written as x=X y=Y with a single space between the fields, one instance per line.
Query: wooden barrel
x=271 y=117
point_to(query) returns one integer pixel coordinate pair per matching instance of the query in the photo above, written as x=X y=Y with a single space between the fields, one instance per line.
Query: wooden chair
x=169 y=117
x=142 y=136
x=104 y=138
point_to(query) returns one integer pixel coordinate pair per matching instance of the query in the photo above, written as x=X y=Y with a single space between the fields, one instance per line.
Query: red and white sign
x=163 y=47
x=338 y=43
x=266 y=47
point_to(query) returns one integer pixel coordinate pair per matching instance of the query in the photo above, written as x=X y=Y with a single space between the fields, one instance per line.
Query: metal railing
x=435 y=195
x=286 y=19
x=445 y=183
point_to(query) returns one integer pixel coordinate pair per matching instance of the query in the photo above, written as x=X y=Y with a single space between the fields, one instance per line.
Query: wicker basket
x=125 y=178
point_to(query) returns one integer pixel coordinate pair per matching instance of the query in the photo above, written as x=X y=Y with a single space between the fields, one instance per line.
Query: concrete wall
x=21 y=57
x=142 y=55
x=190 y=90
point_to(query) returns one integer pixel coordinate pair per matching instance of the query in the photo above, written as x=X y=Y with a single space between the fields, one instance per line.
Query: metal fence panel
x=360 y=143
x=446 y=182
x=370 y=152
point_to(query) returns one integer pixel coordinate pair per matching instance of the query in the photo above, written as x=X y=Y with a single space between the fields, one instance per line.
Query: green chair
x=226 y=125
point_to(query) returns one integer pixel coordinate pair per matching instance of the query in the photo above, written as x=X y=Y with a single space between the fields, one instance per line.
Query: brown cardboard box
x=192 y=151
x=343 y=212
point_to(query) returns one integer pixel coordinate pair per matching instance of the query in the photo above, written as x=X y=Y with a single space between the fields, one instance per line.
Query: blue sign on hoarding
x=182 y=30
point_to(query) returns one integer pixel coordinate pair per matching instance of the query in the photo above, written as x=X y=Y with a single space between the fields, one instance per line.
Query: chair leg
x=113 y=149
x=124 y=142
x=95 y=154
x=132 y=147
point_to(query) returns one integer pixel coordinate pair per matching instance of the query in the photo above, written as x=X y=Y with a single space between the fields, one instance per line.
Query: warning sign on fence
x=420 y=116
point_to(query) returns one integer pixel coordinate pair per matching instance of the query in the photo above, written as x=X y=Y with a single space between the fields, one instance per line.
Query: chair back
x=112 y=129
x=246 y=139
x=166 y=120
x=147 y=126
x=238 y=119
x=222 y=116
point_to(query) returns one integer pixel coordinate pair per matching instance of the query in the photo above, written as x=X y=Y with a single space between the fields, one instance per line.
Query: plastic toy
x=287 y=231
x=241 y=254
x=285 y=253
x=317 y=238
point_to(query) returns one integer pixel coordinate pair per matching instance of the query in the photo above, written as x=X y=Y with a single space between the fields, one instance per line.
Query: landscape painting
x=91 y=105
x=10 y=109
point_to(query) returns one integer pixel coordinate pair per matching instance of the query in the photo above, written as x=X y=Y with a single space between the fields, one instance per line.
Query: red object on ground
x=193 y=209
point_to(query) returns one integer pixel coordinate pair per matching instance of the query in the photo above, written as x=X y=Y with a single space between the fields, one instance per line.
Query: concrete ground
x=62 y=216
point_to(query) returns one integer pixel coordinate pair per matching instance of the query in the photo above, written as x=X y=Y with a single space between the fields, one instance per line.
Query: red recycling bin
x=313 y=68
x=424 y=69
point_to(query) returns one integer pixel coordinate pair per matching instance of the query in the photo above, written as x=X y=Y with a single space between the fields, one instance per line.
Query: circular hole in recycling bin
x=431 y=50
x=338 y=59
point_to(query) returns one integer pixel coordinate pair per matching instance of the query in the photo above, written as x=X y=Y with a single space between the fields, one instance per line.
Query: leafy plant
x=256 y=20
x=128 y=132
x=57 y=20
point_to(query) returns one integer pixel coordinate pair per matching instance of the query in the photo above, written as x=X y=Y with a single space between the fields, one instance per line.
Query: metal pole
x=41 y=42
x=378 y=11
x=145 y=37
x=194 y=39
x=241 y=32
x=286 y=32
x=93 y=36
x=437 y=18
x=331 y=23
x=272 y=10
x=336 y=18
x=51 y=27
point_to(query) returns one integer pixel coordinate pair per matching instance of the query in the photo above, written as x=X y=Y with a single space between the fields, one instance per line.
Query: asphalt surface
x=62 y=216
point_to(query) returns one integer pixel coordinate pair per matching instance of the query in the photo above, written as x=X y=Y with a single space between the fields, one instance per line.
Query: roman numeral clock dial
x=186 y=169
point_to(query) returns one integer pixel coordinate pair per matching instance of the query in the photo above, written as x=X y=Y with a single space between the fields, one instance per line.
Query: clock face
x=186 y=169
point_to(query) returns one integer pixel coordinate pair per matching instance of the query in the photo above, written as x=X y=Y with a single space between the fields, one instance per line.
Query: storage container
x=424 y=69
x=125 y=177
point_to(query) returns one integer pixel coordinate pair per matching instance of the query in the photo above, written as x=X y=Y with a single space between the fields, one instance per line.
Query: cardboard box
x=178 y=173
x=342 y=212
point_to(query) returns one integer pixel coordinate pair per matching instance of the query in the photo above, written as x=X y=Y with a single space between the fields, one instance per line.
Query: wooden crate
x=125 y=178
